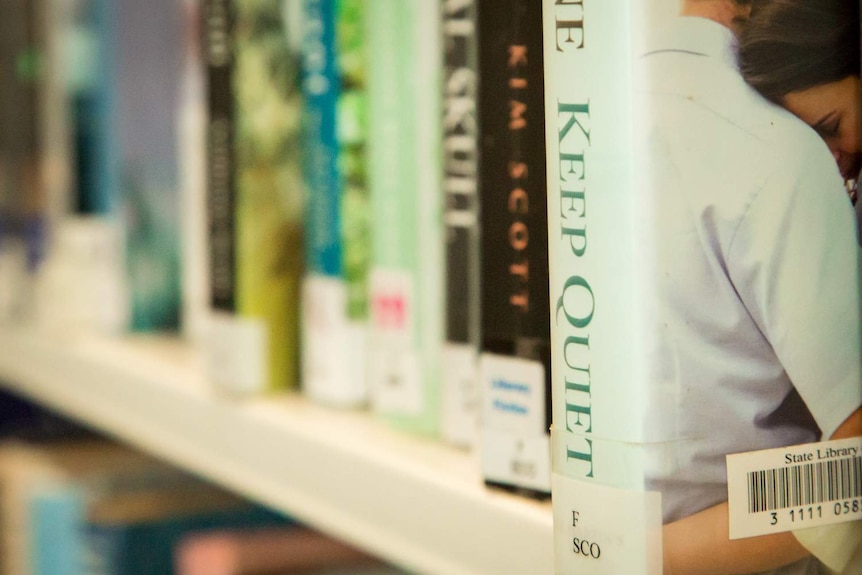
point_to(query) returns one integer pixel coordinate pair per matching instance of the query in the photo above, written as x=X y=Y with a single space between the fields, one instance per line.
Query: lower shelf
x=414 y=502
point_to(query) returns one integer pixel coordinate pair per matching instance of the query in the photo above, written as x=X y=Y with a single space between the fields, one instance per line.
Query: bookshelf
x=415 y=502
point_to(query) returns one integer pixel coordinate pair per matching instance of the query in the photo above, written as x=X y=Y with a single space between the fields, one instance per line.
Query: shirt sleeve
x=795 y=262
x=838 y=546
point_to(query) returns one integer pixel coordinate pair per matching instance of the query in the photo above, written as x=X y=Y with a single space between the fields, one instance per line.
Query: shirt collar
x=697 y=36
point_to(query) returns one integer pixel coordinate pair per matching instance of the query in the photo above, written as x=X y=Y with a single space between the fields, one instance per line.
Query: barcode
x=805 y=484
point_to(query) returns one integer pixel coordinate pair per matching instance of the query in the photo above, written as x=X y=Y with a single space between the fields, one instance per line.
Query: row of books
x=437 y=159
x=73 y=501
x=69 y=507
x=360 y=130
x=89 y=194
x=297 y=187
x=363 y=136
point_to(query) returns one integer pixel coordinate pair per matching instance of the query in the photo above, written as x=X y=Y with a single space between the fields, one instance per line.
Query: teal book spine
x=406 y=281
x=92 y=62
x=57 y=542
x=338 y=221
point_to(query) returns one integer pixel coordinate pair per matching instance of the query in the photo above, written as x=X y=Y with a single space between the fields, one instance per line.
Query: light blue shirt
x=758 y=300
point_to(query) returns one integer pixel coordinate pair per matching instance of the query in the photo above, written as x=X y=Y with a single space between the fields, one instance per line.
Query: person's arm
x=852 y=426
x=699 y=544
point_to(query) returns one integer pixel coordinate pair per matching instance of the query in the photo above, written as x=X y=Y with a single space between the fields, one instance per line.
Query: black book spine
x=512 y=184
x=218 y=41
x=514 y=220
x=460 y=166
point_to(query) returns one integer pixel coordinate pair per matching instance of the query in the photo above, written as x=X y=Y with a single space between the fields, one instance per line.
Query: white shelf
x=414 y=502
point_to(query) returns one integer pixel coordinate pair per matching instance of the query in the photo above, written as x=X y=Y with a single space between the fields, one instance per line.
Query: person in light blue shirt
x=758 y=272
x=805 y=56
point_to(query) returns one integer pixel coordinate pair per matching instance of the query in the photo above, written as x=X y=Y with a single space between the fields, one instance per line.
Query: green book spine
x=406 y=281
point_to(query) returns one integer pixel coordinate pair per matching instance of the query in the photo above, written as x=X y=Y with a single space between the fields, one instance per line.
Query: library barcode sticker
x=794 y=487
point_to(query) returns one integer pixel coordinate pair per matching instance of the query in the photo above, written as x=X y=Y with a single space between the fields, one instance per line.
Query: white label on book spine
x=394 y=371
x=513 y=459
x=796 y=487
x=514 y=440
x=460 y=394
x=334 y=348
x=397 y=386
x=600 y=530
x=236 y=353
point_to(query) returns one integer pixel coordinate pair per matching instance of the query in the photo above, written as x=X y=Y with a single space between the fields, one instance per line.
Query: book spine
x=91 y=72
x=58 y=545
x=515 y=354
x=191 y=137
x=148 y=89
x=103 y=547
x=268 y=192
x=390 y=159
x=11 y=42
x=234 y=551
x=406 y=283
x=426 y=74
x=56 y=113
x=234 y=356
x=254 y=195
x=220 y=162
x=461 y=211
x=321 y=89
x=32 y=75
x=599 y=410
x=334 y=291
x=21 y=143
x=27 y=135
x=95 y=108
x=53 y=21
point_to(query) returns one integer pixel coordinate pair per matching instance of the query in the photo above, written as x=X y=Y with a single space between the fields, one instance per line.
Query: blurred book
x=272 y=551
x=82 y=283
x=121 y=88
x=34 y=151
x=191 y=138
x=338 y=215
x=254 y=193
x=407 y=258
x=95 y=507
x=147 y=38
x=460 y=393
x=26 y=467
x=90 y=69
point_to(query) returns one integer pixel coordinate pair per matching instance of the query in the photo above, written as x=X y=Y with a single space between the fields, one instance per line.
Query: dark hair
x=793 y=45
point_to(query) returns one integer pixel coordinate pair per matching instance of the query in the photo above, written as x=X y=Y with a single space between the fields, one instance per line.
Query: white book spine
x=595 y=286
